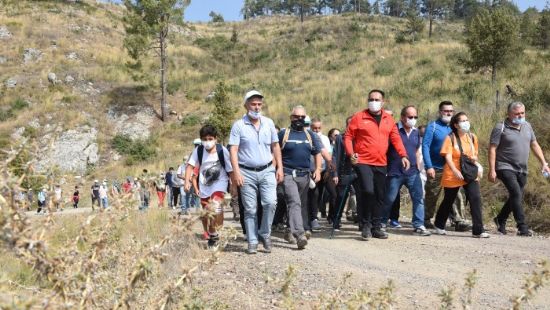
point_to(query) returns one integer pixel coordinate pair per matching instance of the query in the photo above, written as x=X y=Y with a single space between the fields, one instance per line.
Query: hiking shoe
x=379 y=234
x=301 y=242
x=482 y=235
x=213 y=243
x=252 y=248
x=366 y=234
x=461 y=226
x=315 y=225
x=395 y=224
x=428 y=224
x=308 y=234
x=501 y=227
x=267 y=244
x=422 y=231
x=289 y=238
x=525 y=233
x=440 y=231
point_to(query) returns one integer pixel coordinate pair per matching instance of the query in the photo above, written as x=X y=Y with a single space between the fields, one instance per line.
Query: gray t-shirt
x=513 y=146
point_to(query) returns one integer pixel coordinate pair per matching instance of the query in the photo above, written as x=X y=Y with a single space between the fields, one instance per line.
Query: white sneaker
x=422 y=231
x=482 y=235
x=440 y=231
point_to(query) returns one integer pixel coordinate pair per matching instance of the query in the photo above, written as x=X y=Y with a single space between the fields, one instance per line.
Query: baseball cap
x=252 y=93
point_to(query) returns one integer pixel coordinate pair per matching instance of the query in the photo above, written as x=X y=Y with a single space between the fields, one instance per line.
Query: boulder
x=73 y=151
x=4 y=33
x=11 y=82
x=135 y=122
x=69 y=79
x=52 y=78
x=3 y=60
x=32 y=55
x=72 y=56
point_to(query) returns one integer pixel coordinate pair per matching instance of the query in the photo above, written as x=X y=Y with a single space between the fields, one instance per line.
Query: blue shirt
x=297 y=152
x=412 y=144
x=254 y=144
x=436 y=132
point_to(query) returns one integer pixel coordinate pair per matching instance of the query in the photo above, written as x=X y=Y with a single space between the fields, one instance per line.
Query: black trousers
x=370 y=194
x=396 y=208
x=281 y=211
x=175 y=195
x=514 y=183
x=473 y=196
x=315 y=201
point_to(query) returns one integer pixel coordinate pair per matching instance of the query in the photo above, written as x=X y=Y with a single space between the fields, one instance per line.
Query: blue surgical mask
x=254 y=114
x=518 y=120
x=464 y=126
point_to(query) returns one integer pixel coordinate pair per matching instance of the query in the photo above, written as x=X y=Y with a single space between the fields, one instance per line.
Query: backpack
x=287 y=134
x=219 y=150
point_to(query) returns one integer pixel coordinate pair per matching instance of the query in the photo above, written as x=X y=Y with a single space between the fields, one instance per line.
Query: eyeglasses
x=447 y=111
x=299 y=116
x=411 y=117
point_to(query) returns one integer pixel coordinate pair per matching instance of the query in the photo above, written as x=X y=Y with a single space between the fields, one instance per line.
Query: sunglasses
x=411 y=117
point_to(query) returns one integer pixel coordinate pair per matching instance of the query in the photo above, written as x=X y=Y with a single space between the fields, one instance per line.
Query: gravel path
x=420 y=268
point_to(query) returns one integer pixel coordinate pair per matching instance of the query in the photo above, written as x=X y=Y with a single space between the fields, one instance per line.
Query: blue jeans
x=263 y=183
x=184 y=205
x=105 y=202
x=414 y=185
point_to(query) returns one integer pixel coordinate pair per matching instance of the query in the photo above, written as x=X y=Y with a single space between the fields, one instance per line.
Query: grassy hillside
x=327 y=64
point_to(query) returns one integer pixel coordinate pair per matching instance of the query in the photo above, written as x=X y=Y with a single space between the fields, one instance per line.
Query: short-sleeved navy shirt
x=297 y=151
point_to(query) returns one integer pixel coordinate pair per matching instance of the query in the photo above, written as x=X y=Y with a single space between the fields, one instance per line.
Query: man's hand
x=430 y=173
x=546 y=168
x=317 y=176
x=492 y=175
x=279 y=175
x=238 y=178
x=406 y=163
x=354 y=159
x=187 y=186
x=335 y=180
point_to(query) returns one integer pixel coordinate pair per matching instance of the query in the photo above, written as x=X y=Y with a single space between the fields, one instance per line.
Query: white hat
x=251 y=94
x=307 y=120
x=96 y=181
x=197 y=141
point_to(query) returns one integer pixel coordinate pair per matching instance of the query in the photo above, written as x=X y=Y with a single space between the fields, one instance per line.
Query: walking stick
x=339 y=212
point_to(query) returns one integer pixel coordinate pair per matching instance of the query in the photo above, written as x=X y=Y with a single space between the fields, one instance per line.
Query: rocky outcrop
x=4 y=33
x=73 y=150
x=135 y=122
x=11 y=82
x=32 y=55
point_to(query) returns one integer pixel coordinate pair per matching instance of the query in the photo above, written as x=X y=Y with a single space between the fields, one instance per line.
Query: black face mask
x=298 y=124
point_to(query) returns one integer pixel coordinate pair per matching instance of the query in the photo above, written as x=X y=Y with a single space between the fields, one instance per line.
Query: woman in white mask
x=460 y=150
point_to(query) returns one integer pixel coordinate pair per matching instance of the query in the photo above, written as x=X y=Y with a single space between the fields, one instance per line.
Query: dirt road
x=420 y=268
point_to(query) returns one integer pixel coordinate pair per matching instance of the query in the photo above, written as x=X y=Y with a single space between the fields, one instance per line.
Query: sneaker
x=395 y=224
x=252 y=248
x=213 y=243
x=267 y=244
x=440 y=231
x=308 y=234
x=383 y=227
x=501 y=227
x=205 y=236
x=482 y=235
x=315 y=225
x=289 y=238
x=366 y=234
x=428 y=224
x=422 y=231
x=379 y=234
x=461 y=226
x=301 y=242
x=525 y=233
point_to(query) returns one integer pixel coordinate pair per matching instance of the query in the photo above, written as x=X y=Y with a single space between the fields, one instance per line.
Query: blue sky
x=230 y=9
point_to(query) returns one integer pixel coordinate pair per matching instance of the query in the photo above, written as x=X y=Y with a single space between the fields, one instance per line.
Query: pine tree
x=147 y=23
x=223 y=113
x=493 y=39
x=542 y=33
x=435 y=9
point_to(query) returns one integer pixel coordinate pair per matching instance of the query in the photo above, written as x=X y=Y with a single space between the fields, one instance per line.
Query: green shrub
x=190 y=120
x=385 y=67
x=135 y=150
x=173 y=86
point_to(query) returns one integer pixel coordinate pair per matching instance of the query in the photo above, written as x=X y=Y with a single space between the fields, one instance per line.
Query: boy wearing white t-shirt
x=215 y=169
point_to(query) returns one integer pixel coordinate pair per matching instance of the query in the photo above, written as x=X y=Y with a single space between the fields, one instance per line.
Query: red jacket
x=370 y=140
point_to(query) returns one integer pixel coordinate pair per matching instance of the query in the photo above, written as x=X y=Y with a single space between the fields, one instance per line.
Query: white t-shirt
x=209 y=160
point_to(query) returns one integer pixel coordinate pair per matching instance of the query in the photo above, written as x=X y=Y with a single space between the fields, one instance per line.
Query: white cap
x=251 y=94
x=307 y=120
x=197 y=141
x=96 y=181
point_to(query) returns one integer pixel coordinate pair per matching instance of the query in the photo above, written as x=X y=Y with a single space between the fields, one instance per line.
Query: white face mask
x=254 y=114
x=411 y=122
x=446 y=119
x=375 y=106
x=208 y=145
x=464 y=126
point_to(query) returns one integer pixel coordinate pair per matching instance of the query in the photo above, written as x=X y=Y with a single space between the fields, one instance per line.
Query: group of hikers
x=283 y=178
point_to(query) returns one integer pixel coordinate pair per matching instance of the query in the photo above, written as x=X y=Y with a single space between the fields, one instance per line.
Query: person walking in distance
x=460 y=150
x=510 y=143
x=297 y=146
x=366 y=140
x=76 y=197
x=254 y=147
x=436 y=132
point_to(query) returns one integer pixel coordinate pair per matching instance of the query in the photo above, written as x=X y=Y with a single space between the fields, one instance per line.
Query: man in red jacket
x=366 y=141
